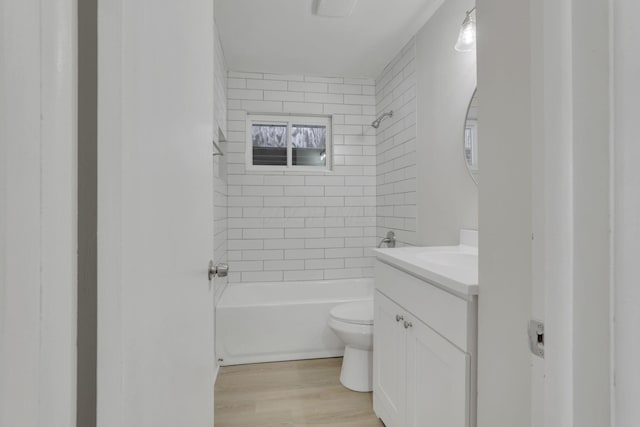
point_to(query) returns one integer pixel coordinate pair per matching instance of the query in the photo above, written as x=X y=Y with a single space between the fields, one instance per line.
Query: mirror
x=470 y=138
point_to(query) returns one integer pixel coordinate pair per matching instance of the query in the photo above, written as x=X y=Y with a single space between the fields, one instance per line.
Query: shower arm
x=377 y=121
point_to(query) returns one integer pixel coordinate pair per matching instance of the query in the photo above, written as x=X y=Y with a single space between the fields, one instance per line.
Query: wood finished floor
x=301 y=393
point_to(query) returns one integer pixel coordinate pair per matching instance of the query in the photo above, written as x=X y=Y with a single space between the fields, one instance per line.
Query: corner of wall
x=447 y=195
x=396 y=160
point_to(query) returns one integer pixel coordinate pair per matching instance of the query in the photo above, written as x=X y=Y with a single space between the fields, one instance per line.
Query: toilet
x=353 y=323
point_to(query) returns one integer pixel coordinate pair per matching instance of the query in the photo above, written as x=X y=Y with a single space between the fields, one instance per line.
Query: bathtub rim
x=366 y=282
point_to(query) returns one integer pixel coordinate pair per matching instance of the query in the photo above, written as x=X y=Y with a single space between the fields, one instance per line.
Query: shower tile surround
x=220 y=167
x=396 y=148
x=294 y=225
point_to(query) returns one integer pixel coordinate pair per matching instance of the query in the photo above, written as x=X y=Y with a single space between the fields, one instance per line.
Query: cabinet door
x=389 y=362
x=437 y=380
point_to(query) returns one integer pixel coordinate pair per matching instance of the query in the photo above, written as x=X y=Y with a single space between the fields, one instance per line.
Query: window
x=288 y=142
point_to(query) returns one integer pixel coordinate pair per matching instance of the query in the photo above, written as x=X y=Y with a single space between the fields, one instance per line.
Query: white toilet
x=353 y=324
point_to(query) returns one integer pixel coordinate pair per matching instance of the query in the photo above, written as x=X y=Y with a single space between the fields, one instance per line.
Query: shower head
x=376 y=123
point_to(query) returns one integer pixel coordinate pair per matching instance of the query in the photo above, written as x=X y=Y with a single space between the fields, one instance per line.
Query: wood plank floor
x=303 y=393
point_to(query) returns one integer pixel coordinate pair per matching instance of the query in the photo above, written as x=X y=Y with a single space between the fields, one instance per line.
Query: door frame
x=109 y=373
x=38 y=212
x=576 y=208
x=555 y=153
x=625 y=178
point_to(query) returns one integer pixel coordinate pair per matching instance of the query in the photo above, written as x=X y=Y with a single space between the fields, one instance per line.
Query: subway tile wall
x=220 y=167
x=396 y=148
x=302 y=226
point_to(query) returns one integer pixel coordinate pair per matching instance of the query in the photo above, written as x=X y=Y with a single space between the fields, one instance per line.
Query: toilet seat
x=358 y=313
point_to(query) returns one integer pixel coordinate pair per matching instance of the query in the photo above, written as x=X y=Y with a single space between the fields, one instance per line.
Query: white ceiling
x=284 y=36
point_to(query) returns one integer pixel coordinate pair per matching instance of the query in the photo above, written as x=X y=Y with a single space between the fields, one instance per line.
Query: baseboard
x=280 y=357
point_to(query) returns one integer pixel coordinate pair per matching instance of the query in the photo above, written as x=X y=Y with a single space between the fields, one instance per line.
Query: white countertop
x=461 y=279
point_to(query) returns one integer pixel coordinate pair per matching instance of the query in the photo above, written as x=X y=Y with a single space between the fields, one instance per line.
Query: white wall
x=447 y=197
x=626 y=178
x=38 y=213
x=302 y=226
x=396 y=168
x=428 y=85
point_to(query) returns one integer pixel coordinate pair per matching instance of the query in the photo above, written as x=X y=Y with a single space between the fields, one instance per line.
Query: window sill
x=274 y=170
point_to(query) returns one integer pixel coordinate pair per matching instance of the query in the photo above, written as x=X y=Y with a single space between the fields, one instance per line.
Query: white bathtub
x=267 y=322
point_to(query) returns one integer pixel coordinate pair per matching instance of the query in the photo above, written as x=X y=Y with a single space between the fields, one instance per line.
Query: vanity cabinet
x=389 y=362
x=421 y=376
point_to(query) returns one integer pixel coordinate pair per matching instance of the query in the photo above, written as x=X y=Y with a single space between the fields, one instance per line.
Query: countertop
x=459 y=280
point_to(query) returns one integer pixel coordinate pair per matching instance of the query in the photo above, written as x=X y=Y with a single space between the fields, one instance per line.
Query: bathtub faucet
x=390 y=240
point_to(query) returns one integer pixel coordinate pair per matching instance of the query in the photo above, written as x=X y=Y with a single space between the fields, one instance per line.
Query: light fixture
x=467 y=37
x=323 y=155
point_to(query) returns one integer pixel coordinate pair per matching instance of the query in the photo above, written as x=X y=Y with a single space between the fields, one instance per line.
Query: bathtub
x=267 y=322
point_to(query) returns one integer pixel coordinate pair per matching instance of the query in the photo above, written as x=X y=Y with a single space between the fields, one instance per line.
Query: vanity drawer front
x=442 y=311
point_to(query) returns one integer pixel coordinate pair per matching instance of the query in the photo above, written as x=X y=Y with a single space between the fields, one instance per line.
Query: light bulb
x=467 y=37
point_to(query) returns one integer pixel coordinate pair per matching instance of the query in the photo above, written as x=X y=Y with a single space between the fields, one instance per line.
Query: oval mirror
x=470 y=138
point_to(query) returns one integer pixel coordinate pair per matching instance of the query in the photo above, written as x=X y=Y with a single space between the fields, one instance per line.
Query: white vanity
x=425 y=335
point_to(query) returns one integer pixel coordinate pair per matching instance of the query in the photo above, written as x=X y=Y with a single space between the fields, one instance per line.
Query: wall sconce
x=467 y=37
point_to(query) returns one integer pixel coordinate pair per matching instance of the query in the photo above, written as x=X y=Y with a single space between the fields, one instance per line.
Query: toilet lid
x=360 y=312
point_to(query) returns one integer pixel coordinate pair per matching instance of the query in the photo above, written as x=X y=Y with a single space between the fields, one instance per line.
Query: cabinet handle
x=399 y=318
x=407 y=325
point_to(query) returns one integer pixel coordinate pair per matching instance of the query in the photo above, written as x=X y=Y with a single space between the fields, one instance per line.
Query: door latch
x=536 y=338
x=220 y=270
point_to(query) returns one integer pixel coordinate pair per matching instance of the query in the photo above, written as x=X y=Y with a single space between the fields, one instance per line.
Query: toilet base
x=356 y=373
